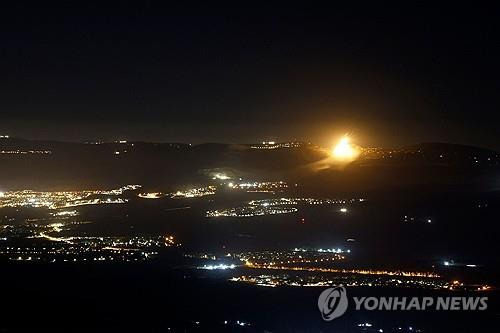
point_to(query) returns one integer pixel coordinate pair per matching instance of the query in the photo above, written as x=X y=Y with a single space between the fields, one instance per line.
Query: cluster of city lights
x=296 y=256
x=276 y=145
x=250 y=211
x=276 y=206
x=327 y=280
x=151 y=195
x=25 y=152
x=65 y=213
x=194 y=192
x=303 y=201
x=218 y=267
x=275 y=266
x=55 y=248
x=264 y=187
x=62 y=199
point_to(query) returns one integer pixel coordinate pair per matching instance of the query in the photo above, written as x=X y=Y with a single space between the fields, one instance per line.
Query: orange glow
x=344 y=150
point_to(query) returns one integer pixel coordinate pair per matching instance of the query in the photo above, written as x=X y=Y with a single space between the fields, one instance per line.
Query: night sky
x=389 y=76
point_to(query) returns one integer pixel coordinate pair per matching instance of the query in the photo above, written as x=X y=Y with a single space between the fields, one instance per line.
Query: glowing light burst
x=344 y=150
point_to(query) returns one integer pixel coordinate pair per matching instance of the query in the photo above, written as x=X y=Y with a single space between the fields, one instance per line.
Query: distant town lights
x=150 y=195
x=220 y=266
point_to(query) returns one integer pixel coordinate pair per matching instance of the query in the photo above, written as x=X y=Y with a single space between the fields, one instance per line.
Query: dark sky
x=390 y=76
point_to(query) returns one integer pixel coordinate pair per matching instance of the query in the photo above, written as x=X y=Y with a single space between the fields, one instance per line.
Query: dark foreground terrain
x=151 y=298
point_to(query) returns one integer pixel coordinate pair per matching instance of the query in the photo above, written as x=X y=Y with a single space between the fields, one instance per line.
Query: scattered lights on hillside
x=150 y=195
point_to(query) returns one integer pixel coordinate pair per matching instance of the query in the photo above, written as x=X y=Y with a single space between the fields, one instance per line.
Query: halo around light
x=344 y=150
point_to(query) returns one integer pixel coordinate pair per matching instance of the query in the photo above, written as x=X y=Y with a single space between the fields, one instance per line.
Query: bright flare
x=344 y=150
